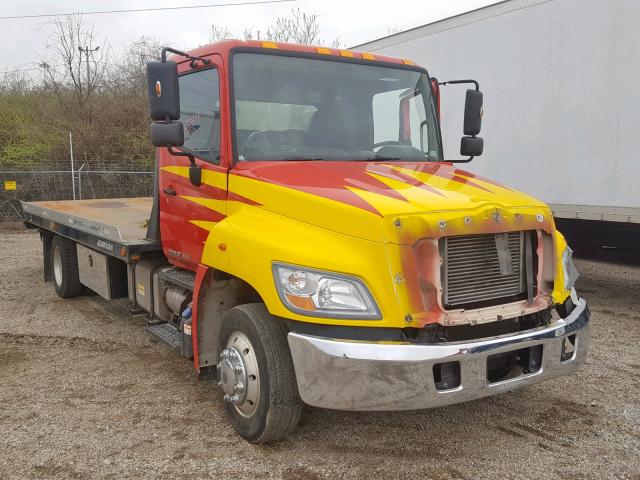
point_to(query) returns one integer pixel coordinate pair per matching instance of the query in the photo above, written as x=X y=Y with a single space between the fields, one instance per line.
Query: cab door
x=188 y=213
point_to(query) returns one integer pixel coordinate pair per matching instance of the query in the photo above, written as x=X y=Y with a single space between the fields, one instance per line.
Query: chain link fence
x=63 y=185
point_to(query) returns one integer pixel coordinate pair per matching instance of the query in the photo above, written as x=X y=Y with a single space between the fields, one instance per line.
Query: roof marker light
x=368 y=56
x=346 y=53
x=406 y=61
x=268 y=44
x=324 y=51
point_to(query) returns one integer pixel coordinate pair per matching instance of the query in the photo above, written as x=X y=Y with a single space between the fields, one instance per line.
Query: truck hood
x=367 y=199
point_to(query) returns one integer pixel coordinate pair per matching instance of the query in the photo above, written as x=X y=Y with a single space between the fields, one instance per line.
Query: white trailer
x=562 y=100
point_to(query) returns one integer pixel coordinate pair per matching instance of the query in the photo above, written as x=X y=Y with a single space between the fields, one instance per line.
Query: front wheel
x=257 y=376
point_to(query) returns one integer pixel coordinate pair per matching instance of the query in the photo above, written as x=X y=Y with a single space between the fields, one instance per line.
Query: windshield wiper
x=302 y=159
x=386 y=158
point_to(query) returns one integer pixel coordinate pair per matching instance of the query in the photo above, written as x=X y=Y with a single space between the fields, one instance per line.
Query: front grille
x=472 y=272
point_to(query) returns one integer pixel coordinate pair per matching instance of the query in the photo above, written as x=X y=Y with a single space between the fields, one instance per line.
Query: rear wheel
x=64 y=263
x=256 y=374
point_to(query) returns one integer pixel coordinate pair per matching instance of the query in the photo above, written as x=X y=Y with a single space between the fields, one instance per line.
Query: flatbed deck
x=116 y=226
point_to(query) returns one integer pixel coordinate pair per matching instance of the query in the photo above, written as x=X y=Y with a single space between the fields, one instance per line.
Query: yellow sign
x=9 y=185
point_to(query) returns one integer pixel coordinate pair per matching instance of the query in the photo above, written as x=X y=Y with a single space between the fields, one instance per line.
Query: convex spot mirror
x=471 y=146
x=167 y=134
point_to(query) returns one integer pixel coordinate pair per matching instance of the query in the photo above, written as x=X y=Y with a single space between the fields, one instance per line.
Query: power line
x=135 y=10
x=39 y=67
x=45 y=65
x=17 y=70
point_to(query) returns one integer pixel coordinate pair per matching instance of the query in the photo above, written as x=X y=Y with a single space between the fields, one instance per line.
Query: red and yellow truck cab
x=309 y=240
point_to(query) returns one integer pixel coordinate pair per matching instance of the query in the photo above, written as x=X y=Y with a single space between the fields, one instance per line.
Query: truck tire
x=255 y=353
x=64 y=265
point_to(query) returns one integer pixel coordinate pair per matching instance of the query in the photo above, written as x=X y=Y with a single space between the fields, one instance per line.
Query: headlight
x=569 y=269
x=324 y=294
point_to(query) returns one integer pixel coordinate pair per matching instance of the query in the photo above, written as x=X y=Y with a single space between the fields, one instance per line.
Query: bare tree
x=128 y=74
x=249 y=34
x=336 y=43
x=15 y=83
x=77 y=59
x=218 y=33
x=299 y=27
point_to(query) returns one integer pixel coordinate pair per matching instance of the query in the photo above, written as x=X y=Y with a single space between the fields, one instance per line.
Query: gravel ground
x=84 y=393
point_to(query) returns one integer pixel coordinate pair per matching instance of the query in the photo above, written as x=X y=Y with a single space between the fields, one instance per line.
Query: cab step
x=166 y=333
x=179 y=276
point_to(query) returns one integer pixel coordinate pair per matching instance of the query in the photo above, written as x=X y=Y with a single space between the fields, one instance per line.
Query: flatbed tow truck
x=308 y=242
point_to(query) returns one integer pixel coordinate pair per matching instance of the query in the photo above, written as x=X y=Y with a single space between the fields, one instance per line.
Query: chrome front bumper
x=352 y=375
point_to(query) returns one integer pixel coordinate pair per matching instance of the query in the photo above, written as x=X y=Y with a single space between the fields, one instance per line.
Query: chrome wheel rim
x=57 y=265
x=238 y=374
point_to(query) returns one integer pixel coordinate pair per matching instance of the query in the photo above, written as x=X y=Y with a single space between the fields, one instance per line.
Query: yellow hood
x=383 y=201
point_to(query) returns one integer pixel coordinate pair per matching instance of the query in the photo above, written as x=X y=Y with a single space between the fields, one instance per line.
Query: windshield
x=294 y=108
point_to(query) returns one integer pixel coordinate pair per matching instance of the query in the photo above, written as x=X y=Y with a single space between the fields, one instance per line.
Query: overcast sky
x=353 y=22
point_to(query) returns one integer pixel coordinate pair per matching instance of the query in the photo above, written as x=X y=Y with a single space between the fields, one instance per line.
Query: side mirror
x=164 y=104
x=164 y=94
x=473 y=113
x=167 y=134
x=164 y=108
x=471 y=146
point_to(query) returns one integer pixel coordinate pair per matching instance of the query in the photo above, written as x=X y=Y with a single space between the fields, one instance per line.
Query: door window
x=410 y=126
x=200 y=113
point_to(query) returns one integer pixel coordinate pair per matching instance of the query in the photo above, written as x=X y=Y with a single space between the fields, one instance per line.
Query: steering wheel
x=252 y=138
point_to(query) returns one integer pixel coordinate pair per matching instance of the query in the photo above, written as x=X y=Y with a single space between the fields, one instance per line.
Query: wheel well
x=219 y=293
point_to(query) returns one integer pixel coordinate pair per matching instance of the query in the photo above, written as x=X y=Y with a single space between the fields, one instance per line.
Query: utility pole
x=73 y=173
x=86 y=51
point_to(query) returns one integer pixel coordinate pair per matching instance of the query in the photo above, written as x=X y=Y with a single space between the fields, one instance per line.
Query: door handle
x=170 y=191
